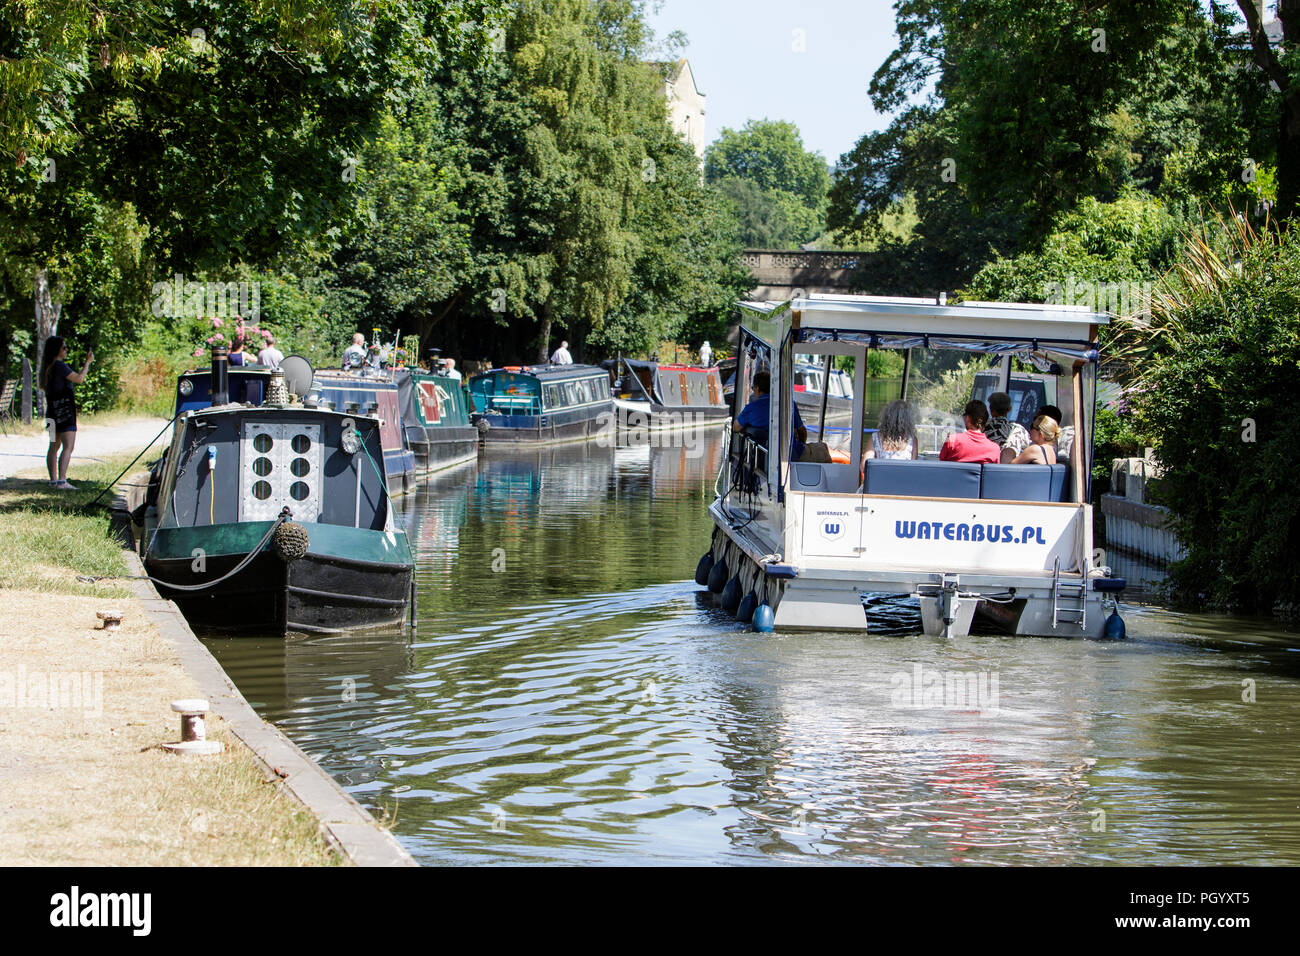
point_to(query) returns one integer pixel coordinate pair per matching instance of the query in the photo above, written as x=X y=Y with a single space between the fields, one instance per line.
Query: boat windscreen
x=505 y=393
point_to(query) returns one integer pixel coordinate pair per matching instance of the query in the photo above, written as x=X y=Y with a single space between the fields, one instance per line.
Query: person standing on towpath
x=57 y=380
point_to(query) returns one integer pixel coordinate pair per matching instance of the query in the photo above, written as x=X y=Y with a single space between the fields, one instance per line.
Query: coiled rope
x=247 y=560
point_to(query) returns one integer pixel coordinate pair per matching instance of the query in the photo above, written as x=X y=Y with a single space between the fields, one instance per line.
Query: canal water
x=570 y=697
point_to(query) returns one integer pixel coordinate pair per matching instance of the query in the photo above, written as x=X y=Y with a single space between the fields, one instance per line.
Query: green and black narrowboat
x=275 y=517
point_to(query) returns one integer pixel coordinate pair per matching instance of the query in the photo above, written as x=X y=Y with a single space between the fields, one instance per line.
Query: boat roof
x=262 y=411
x=667 y=366
x=889 y=322
x=547 y=371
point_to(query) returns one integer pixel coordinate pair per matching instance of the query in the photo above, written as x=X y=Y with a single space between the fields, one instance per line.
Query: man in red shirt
x=972 y=445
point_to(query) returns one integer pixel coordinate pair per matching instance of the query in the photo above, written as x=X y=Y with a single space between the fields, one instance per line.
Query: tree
x=1280 y=72
x=1220 y=369
x=687 y=275
x=225 y=128
x=777 y=188
x=1023 y=117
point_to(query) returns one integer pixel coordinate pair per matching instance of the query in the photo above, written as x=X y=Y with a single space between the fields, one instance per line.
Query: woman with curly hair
x=896 y=436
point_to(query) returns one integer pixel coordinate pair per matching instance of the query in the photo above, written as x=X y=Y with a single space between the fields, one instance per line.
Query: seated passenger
x=1042 y=451
x=754 y=417
x=1065 y=437
x=1002 y=430
x=896 y=436
x=972 y=445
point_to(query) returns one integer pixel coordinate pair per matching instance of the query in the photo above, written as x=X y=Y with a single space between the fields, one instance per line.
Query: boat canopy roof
x=667 y=366
x=548 y=373
x=1059 y=331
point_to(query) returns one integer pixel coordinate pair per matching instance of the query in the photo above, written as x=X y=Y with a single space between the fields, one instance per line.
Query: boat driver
x=753 y=420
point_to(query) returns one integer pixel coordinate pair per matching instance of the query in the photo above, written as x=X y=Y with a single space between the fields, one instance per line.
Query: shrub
x=1220 y=381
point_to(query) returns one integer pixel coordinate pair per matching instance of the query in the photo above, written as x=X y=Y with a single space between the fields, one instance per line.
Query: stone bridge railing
x=778 y=272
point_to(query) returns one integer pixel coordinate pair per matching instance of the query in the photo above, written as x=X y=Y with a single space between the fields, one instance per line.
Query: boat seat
x=1024 y=482
x=922 y=479
x=815 y=476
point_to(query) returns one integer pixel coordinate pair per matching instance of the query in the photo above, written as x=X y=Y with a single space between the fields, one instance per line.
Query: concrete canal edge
x=347 y=825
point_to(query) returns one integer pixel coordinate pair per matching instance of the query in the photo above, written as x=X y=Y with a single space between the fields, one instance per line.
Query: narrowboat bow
x=276 y=517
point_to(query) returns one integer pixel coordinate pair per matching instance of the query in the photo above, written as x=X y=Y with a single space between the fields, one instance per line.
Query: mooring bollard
x=193 y=731
x=110 y=619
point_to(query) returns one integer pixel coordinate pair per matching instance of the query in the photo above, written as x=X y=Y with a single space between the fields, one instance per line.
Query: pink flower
x=198 y=352
x=217 y=322
x=265 y=334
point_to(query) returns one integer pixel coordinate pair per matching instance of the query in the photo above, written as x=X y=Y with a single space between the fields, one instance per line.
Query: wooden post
x=27 y=390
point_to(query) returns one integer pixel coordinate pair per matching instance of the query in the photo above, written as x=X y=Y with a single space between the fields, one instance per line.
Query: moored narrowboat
x=542 y=403
x=436 y=418
x=276 y=518
x=658 y=397
x=424 y=419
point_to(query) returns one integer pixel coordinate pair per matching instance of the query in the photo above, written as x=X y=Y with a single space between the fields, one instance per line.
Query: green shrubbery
x=1114 y=437
x=1218 y=399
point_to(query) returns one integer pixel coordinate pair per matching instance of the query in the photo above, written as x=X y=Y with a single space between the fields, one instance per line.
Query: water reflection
x=567 y=697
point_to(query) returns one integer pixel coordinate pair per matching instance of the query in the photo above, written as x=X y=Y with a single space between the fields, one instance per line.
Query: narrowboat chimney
x=220 y=375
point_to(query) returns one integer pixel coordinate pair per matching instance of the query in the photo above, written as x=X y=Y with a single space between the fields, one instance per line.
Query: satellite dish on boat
x=298 y=374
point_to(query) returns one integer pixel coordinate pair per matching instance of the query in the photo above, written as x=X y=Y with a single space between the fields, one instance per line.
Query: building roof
x=673 y=71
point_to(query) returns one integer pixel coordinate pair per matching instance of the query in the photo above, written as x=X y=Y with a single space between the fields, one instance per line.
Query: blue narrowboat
x=542 y=403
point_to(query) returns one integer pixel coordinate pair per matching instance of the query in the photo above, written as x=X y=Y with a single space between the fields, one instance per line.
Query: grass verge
x=50 y=539
x=84 y=778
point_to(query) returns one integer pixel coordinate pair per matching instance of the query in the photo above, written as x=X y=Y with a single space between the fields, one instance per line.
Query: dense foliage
x=1218 y=400
x=1008 y=116
x=490 y=178
x=777 y=189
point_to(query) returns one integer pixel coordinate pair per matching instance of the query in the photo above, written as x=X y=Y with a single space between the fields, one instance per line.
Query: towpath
x=23 y=452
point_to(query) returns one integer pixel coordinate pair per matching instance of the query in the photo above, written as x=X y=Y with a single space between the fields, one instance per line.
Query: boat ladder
x=1069 y=601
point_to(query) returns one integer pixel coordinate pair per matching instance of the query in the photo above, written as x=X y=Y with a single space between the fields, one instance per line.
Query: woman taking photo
x=57 y=380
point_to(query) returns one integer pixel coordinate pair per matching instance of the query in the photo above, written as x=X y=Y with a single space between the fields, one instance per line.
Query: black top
x=58 y=385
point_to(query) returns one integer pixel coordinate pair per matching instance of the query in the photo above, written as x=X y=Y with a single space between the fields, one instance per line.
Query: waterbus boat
x=542 y=403
x=657 y=397
x=275 y=517
x=424 y=418
x=804 y=545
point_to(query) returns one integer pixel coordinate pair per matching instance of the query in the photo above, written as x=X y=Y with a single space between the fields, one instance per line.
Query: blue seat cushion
x=922 y=479
x=1060 y=483
x=1024 y=482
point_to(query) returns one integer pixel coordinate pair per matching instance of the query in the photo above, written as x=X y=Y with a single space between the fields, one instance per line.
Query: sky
x=747 y=60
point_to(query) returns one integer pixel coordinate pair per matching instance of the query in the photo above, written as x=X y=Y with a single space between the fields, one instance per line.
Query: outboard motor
x=220 y=375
